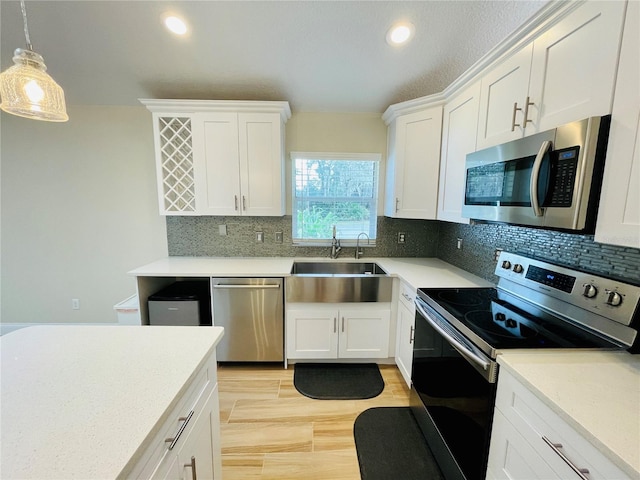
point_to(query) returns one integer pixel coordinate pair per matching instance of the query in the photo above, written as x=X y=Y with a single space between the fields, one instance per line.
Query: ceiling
x=319 y=55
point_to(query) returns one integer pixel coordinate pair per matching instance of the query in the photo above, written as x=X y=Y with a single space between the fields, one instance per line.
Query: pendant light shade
x=27 y=90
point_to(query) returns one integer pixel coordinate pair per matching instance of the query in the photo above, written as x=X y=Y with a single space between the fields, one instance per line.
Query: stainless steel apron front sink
x=337 y=282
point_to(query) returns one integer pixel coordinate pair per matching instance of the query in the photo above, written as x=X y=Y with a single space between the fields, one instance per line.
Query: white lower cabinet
x=324 y=331
x=405 y=330
x=530 y=441
x=187 y=445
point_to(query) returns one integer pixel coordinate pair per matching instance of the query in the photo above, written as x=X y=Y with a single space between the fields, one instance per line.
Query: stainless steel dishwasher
x=252 y=314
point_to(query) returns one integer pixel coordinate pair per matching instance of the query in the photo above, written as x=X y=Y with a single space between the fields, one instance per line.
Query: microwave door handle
x=535 y=176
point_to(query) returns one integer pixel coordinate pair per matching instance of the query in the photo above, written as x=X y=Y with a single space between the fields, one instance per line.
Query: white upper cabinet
x=573 y=69
x=239 y=163
x=220 y=157
x=503 y=91
x=413 y=160
x=458 y=139
x=567 y=73
x=619 y=213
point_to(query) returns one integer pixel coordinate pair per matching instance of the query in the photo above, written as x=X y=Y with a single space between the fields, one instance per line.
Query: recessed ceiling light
x=400 y=33
x=175 y=25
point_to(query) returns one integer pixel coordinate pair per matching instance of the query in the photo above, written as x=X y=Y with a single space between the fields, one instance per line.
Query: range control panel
x=610 y=298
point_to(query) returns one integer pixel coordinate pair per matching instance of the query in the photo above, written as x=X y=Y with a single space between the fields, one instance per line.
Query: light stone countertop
x=418 y=272
x=596 y=393
x=81 y=401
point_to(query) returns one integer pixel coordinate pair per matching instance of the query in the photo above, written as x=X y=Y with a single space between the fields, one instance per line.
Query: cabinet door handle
x=173 y=440
x=526 y=112
x=192 y=465
x=335 y=324
x=342 y=324
x=581 y=472
x=235 y=200
x=244 y=202
x=413 y=329
x=397 y=202
x=513 y=118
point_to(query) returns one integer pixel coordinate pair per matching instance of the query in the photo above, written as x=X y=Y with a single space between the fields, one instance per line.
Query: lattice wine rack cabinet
x=176 y=165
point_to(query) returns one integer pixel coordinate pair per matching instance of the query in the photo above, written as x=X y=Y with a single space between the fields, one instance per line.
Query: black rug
x=390 y=446
x=338 y=381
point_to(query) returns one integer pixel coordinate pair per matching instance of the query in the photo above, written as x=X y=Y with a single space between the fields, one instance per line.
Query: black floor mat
x=390 y=446
x=338 y=381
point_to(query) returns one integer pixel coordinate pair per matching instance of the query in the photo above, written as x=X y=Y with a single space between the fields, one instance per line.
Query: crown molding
x=527 y=32
x=196 y=106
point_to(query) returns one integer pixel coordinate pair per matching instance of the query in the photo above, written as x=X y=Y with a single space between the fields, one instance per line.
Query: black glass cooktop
x=505 y=321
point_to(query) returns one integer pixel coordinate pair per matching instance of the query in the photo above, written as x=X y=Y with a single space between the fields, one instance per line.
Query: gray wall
x=79 y=210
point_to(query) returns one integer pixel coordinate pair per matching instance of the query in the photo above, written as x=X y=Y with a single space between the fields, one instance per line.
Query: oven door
x=452 y=395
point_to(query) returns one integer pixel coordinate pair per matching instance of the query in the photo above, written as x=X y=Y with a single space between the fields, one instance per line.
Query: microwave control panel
x=564 y=165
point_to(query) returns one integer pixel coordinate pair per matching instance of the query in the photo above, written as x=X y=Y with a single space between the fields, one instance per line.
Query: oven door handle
x=457 y=344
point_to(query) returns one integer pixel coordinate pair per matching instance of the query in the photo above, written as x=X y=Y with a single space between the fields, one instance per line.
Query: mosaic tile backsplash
x=199 y=236
x=569 y=249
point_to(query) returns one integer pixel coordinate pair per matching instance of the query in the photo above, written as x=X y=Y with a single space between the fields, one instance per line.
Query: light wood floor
x=270 y=431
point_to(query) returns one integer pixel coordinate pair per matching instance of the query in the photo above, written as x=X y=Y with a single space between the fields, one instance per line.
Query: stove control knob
x=511 y=323
x=518 y=268
x=590 y=290
x=613 y=298
x=506 y=264
x=500 y=317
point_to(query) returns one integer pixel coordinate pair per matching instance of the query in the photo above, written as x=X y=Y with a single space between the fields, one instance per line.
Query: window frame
x=372 y=157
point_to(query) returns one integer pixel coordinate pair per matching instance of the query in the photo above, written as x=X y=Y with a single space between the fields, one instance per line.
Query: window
x=330 y=190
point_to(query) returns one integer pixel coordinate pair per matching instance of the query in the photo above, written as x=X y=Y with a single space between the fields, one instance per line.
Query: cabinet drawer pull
x=192 y=466
x=173 y=440
x=513 y=118
x=556 y=447
x=407 y=297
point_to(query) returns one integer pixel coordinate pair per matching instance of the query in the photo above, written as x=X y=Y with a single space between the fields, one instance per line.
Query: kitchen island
x=97 y=402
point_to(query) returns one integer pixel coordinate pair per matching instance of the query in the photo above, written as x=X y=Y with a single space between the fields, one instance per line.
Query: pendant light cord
x=26 y=27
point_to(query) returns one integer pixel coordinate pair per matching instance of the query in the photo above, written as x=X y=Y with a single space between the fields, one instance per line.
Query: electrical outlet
x=278 y=237
x=259 y=237
x=75 y=304
x=402 y=237
x=496 y=254
x=459 y=244
x=222 y=230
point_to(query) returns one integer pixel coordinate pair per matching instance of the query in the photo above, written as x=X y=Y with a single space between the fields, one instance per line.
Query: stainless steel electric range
x=460 y=332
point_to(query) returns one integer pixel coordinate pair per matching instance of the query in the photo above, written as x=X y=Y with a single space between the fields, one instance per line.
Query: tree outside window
x=334 y=190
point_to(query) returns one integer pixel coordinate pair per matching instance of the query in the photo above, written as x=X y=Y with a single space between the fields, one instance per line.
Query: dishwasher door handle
x=250 y=287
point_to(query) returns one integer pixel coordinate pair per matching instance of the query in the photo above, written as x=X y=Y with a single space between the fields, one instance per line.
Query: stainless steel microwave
x=551 y=179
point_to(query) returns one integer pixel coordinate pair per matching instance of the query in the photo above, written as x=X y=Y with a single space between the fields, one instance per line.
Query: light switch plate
x=222 y=230
x=259 y=237
x=278 y=237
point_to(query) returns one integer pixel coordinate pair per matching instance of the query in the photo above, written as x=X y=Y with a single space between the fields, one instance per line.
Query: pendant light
x=27 y=90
